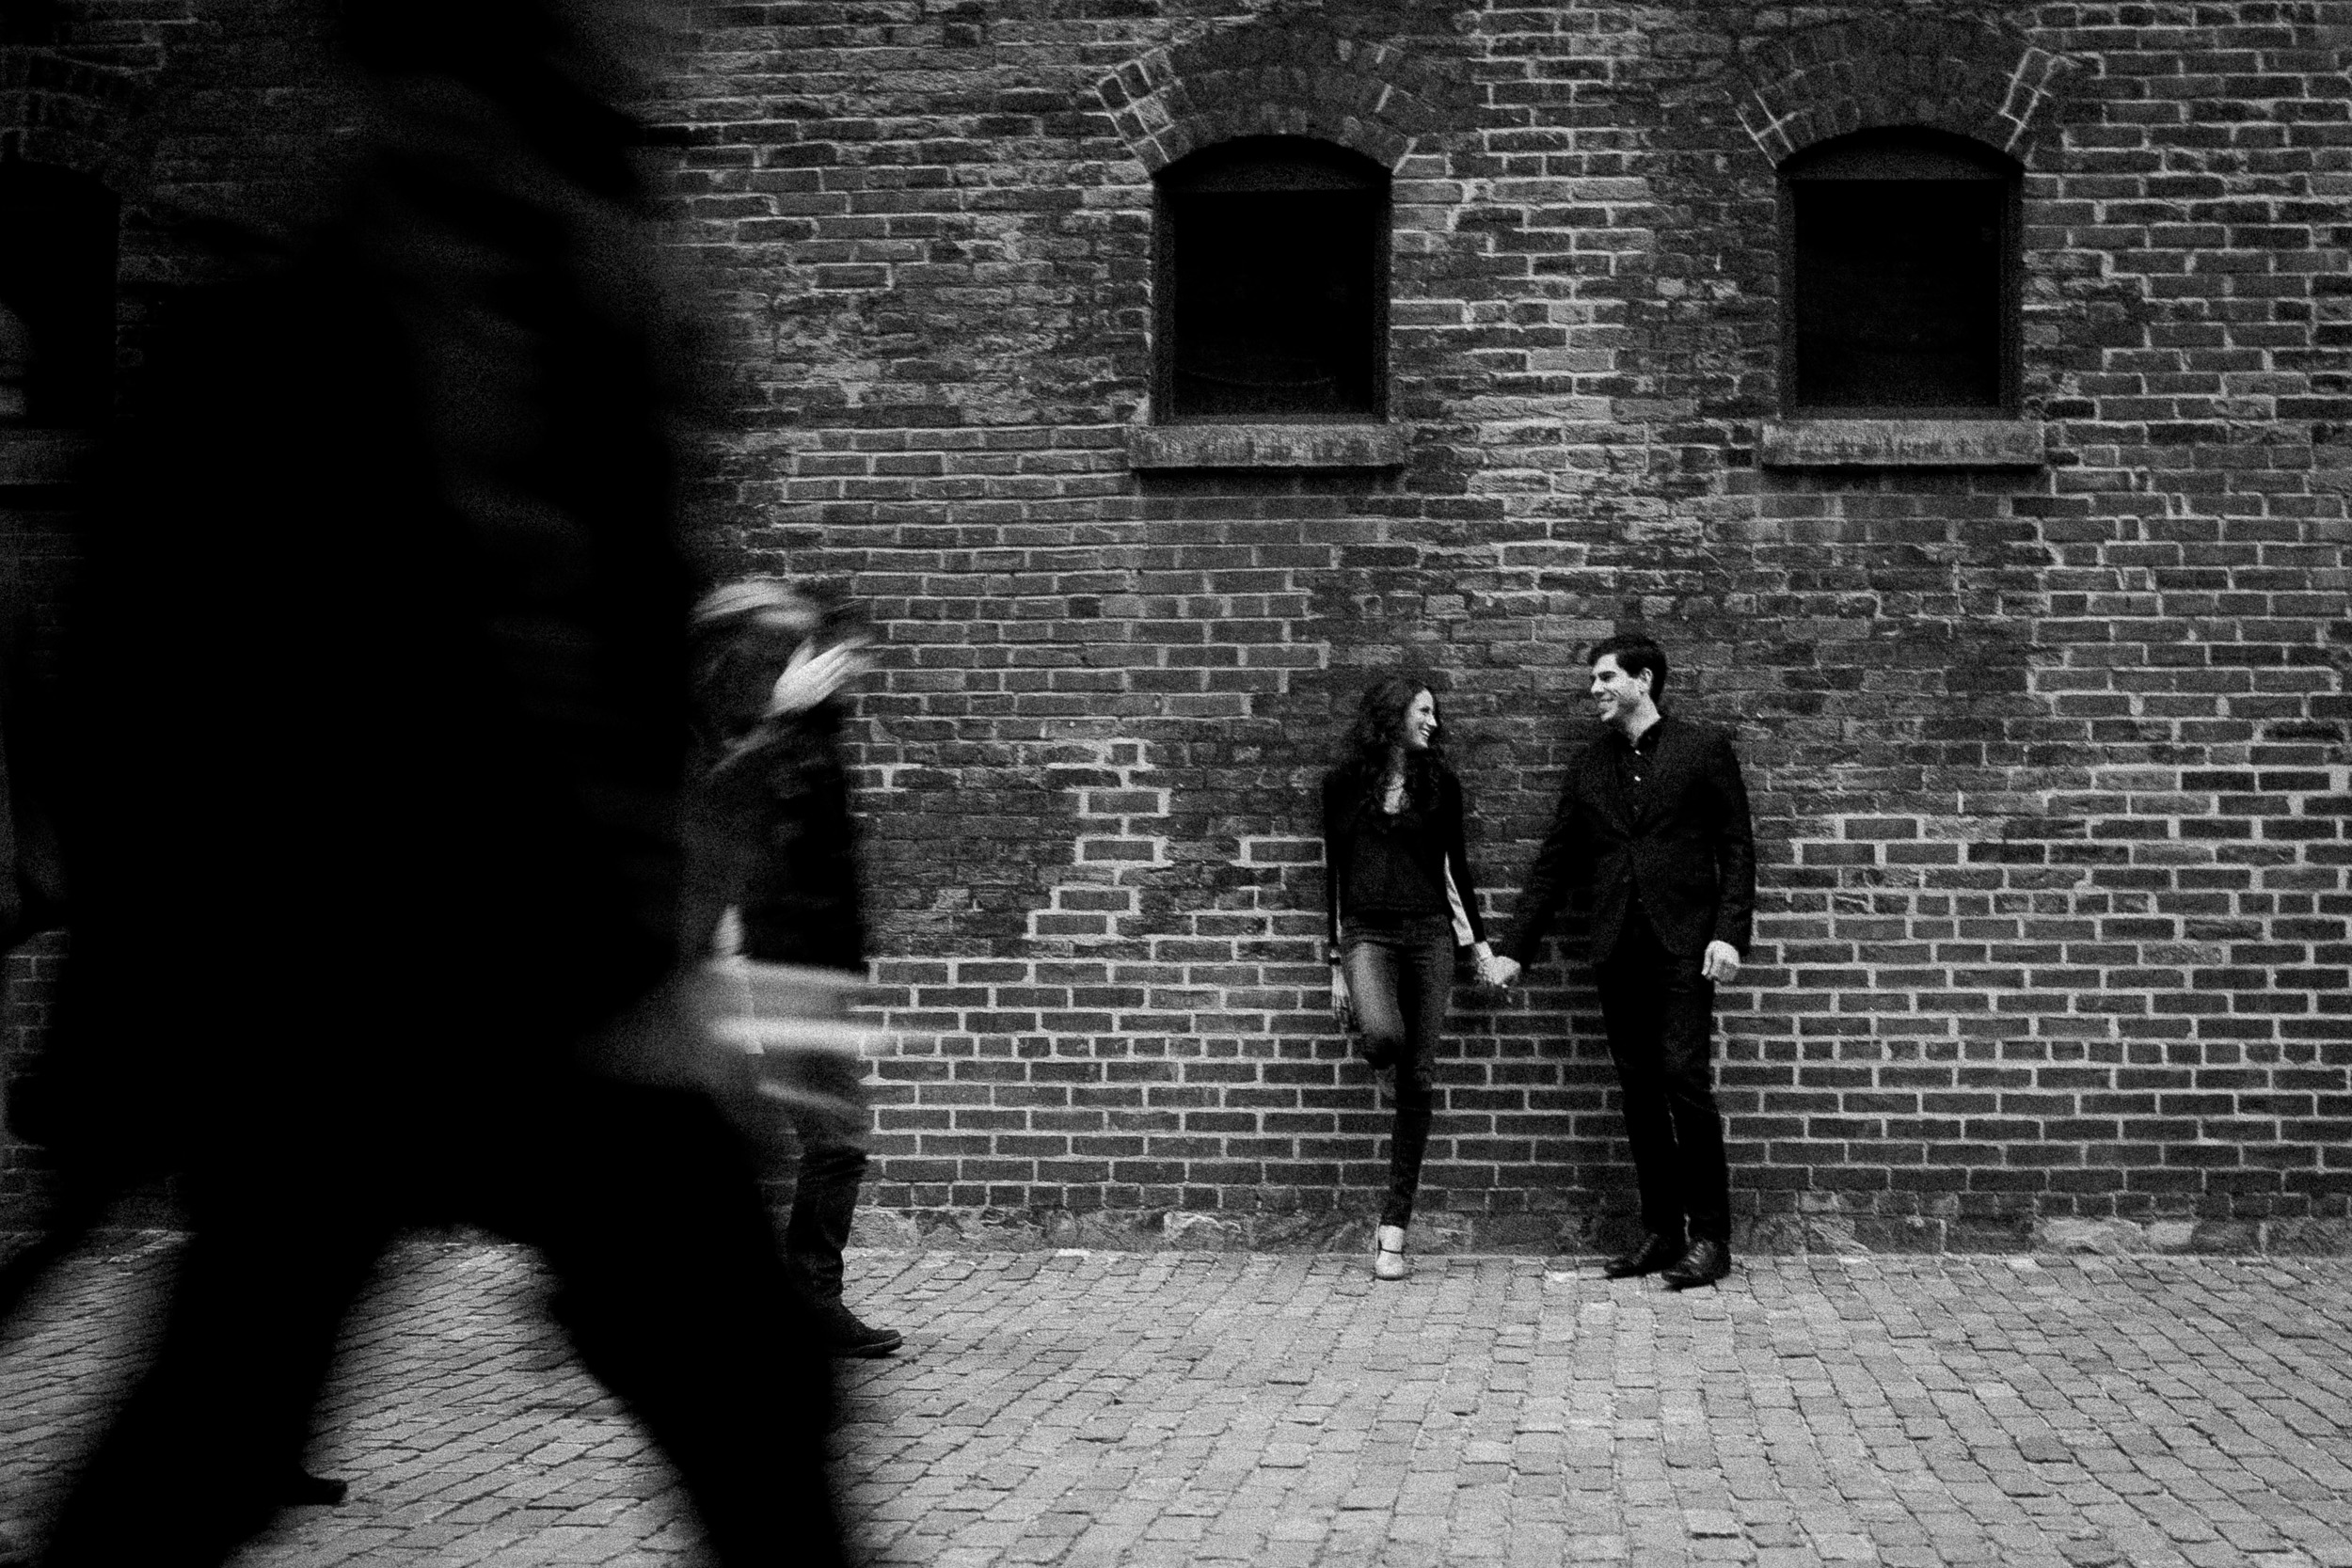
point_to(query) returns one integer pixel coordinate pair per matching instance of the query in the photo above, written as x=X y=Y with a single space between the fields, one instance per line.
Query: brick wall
x=2050 y=765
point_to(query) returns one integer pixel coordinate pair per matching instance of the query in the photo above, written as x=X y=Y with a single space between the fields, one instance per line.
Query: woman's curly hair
x=1375 y=742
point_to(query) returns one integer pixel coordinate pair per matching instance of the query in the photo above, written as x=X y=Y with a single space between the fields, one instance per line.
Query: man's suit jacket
x=1680 y=843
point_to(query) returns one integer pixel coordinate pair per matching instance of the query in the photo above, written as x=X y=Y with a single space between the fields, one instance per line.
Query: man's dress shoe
x=1703 y=1265
x=1651 y=1255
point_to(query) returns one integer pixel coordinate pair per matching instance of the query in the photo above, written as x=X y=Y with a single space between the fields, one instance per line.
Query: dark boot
x=844 y=1334
x=1655 y=1253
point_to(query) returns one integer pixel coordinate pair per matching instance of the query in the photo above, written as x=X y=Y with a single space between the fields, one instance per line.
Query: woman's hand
x=1343 y=1008
x=810 y=677
x=1498 y=971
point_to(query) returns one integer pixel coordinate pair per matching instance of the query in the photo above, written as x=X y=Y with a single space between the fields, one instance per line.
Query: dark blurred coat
x=379 y=716
x=32 y=882
x=776 y=821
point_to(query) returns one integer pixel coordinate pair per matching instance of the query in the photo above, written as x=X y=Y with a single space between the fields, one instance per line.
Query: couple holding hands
x=1653 y=817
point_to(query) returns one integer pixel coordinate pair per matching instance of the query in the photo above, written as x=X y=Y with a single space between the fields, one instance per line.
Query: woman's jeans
x=1400 y=977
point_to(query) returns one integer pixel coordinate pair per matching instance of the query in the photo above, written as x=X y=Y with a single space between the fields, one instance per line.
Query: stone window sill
x=36 y=456
x=1266 y=445
x=1902 y=444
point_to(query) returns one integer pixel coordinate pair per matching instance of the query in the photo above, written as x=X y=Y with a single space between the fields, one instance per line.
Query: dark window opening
x=1902 y=252
x=56 y=296
x=1273 y=284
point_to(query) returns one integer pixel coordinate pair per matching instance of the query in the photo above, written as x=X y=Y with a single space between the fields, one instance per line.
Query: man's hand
x=791 y=1021
x=1342 y=1007
x=1721 y=963
x=1498 y=971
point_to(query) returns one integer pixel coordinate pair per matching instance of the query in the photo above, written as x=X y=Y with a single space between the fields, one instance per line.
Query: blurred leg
x=199 y=1458
x=647 y=1204
x=82 y=1200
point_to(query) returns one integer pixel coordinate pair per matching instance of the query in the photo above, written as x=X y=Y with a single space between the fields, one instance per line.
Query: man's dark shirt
x=1635 y=758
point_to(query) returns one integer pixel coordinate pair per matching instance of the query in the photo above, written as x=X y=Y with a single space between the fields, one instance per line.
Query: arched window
x=1271 y=284
x=1901 y=250
x=58 y=283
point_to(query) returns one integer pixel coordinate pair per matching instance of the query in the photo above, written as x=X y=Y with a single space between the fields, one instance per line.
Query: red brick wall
x=2050 y=765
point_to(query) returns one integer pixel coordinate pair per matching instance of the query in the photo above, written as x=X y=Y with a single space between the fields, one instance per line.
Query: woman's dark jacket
x=1430 y=835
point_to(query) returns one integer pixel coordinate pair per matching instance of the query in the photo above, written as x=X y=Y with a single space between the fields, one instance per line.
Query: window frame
x=1907 y=153
x=1260 y=165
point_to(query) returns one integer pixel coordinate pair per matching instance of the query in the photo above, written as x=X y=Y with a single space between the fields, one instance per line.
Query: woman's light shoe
x=1389 y=1261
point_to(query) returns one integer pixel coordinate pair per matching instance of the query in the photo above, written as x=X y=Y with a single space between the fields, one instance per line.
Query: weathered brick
x=2050 y=764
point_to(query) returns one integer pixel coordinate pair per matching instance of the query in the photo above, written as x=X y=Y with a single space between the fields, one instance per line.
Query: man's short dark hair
x=1635 y=654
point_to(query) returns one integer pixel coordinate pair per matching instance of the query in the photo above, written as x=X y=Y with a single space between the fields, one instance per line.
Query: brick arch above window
x=1958 y=75
x=1272 y=79
x=73 y=116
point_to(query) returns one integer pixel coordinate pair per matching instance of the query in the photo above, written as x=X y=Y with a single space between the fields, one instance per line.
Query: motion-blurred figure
x=773 y=881
x=380 y=698
x=32 y=888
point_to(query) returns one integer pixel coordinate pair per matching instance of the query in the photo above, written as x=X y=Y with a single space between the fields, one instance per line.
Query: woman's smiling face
x=1421 y=720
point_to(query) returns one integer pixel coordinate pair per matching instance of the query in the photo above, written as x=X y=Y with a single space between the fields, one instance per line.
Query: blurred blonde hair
x=772 y=601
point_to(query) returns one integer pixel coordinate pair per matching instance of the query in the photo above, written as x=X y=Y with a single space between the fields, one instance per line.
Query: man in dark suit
x=1653 y=817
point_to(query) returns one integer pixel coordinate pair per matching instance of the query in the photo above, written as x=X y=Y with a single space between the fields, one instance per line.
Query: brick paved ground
x=1166 y=1408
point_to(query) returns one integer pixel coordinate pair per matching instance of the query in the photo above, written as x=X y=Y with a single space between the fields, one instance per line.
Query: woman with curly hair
x=1401 y=904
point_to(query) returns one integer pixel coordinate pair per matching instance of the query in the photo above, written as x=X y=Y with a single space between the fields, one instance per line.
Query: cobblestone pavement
x=1171 y=1408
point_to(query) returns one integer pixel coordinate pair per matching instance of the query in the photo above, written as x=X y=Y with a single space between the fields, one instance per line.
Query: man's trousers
x=1658 y=1010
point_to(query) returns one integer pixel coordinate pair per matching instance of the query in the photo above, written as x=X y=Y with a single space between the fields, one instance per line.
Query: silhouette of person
x=773 y=880
x=379 y=705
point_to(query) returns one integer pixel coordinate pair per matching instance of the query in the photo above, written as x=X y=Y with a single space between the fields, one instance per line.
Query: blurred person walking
x=1400 y=903
x=1653 y=817
x=378 y=711
x=772 y=881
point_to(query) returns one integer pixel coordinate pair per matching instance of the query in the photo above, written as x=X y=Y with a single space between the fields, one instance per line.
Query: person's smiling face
x=1617 y=697
x=1421 y=720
